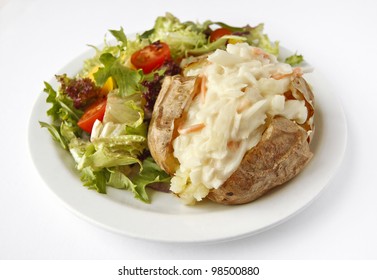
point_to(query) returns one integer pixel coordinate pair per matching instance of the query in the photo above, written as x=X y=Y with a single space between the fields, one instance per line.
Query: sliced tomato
x=218 y=33
x=151 y=57
x=94 y=112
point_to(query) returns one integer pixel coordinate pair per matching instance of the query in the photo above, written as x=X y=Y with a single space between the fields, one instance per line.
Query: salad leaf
x=141 y=130
x=120 y=181
x=55 y=133
x=52 y=98
x=119 y=35
x=294 y=59
x=259 y=39
x=127 y=79
x=179 y=36
x=64 y=117
x=92 y=178
x=125 y=110
x=218 y=44
x=78 y=147
x=106 y=156
x=62 y=106
x=229 y=27
x=150 y=173
x=91 y=65
x=252 y=35
x=96 y=180
x=81 y=91
x=110 y=146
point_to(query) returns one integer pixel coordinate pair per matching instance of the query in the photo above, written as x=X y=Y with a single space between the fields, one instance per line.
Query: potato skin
x=175 y=96
x=280 y=155
x=299 y=89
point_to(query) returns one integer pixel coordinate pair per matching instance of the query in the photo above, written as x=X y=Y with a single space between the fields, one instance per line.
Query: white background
x=37 y=38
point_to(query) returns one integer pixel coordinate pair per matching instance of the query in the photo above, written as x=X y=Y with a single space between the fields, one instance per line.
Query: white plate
x=166 y=218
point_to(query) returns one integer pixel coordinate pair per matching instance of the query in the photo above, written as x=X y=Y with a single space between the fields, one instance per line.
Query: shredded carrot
x=190 y=129
x=232 y=145
x=278 y=76
x=200 y=87
x=258 y=51
x=203 y=87
x=297 y=72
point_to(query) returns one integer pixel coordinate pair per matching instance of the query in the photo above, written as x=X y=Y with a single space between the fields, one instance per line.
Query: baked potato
x=278 y=151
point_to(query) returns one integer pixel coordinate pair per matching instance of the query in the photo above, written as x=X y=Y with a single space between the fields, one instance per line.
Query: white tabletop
x=39 y=37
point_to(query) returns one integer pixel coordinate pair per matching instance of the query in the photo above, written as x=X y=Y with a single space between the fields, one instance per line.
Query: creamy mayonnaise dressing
x=242 y=87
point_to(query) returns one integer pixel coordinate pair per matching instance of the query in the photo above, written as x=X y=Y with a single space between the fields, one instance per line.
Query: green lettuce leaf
x=55 y=133
x=294 y=59
x=127 y=79
x=105 y=152
x=119 y=180
x=218 y=44
x=119 y=35
x=62 y=108
x=64 y=117
x=92 y=64
x=149 y=173
x=96 y=180
x=179 y=36
x=252 y=35
x=106 y=157
x=258 y=39
x=124 y=110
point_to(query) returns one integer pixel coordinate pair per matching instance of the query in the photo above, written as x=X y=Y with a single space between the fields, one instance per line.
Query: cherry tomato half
x=94 y=112
x=151 y=57
x=218 y=33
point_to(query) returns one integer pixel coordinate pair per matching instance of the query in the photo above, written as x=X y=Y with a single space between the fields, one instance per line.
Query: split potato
x=280 y=155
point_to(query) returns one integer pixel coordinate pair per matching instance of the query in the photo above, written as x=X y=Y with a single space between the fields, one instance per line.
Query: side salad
x=101 y=115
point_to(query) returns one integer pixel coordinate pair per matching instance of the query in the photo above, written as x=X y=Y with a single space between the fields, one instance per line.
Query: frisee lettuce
x=150 y=173
x=294 y=59
x=64 y=117
x=113 y=148
x=261 y=40
x=189 y=38
x=120 y=36
x=95 y=180
x=179 y=36
x=55 y=133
